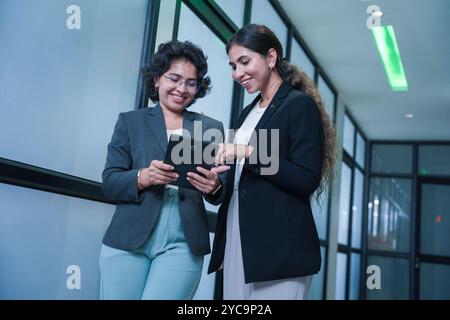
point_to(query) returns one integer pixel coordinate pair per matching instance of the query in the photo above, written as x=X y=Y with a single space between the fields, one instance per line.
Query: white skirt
x=234 y=286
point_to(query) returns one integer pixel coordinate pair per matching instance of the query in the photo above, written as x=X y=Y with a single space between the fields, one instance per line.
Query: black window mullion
x=365 y=219
x=350 y=228
x=415 y=230
x=148 y=47
x=176 y=22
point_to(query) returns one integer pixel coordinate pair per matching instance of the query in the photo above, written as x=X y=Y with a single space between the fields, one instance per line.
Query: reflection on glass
x=391 y=158
x=360 y=149
x=434 y=160
x=341 y=275
x=435 y=219
x=434 y=280
x=357 y=212
x=355 y=267
x=389 y=214
x=349 y=134
x=394 y=276
x=299 y=58
x=316 y=289
x=344 y=203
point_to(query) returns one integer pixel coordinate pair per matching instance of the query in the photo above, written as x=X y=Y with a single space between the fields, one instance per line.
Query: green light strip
x=390 y=55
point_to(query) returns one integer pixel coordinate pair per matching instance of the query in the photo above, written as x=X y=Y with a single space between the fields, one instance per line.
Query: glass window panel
x=42 y=236
x=349 y=134
x=435 y=219
x=357 y=208
x=355 y=268
x=299 y=58
x=434 y=280
x=64 y=86
x=264 y=13
x=327 y=96
x=389 y=214
x=234 y=10
x=344 y=204
x=394 y=279
x=316 y=289
x=434 y=160
x=391 y=158
x=360 y=149
x=217 y=104
x=341 y=275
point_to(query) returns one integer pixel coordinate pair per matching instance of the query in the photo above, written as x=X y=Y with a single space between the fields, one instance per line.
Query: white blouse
x=243 y=136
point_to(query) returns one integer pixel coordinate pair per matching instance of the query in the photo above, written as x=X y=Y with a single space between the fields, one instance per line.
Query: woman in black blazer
x=266 y=238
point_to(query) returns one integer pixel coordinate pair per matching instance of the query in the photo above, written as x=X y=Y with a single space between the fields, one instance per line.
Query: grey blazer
x=140 y=137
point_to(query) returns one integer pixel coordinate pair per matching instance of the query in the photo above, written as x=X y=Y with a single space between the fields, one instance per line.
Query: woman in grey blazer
x=154 y=245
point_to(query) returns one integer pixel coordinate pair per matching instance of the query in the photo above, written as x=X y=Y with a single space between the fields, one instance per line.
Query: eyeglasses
x=191 y=85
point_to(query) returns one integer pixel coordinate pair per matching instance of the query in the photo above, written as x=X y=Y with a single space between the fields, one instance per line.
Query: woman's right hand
x=156 y=173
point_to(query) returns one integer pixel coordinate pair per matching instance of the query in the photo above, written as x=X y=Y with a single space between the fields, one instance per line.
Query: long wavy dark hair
x=261 y=39
x=162 y=60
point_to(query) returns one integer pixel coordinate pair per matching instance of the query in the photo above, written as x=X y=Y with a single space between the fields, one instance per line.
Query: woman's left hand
x=209 y=182
x=228 y=152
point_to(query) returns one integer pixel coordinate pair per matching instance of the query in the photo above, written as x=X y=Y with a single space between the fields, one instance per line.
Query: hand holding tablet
x=187 y=155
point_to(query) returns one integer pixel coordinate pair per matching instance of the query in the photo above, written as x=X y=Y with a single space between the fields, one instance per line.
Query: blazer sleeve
x=119 y=179
x=301 y=172
x=219 y=196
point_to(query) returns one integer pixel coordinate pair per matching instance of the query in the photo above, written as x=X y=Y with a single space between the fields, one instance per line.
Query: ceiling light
x=386 y=43
x=409 y=116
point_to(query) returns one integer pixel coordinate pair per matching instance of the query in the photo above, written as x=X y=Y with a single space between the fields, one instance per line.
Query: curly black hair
x=162 y=60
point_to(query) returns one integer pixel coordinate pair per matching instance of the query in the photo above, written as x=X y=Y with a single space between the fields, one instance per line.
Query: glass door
x=433 y=241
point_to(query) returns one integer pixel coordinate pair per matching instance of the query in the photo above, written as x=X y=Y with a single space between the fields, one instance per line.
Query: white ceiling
x=336 y=33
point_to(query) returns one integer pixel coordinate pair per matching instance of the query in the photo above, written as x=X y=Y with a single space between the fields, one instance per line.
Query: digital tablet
x=186 y=154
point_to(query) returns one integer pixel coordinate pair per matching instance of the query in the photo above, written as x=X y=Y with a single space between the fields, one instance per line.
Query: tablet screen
x=186 y=154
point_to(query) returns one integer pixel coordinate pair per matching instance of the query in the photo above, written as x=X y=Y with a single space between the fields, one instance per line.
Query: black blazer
x=278 y=234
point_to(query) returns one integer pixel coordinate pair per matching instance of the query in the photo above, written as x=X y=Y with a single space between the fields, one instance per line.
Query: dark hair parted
x=162 y=60
x=261 y=39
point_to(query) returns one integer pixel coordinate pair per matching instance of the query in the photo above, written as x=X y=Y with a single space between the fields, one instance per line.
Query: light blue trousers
x=163 y=268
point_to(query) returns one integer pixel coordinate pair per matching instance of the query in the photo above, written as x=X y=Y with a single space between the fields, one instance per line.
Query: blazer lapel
x=246 y=111
x=157 y=125
x=277 y=100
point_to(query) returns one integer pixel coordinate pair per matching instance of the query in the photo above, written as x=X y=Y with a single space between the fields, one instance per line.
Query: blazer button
x=243 y=193
x=182 y=197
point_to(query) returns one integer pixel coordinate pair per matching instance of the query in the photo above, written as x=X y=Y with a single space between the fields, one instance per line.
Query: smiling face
x=172 y=95
x=250 y=69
